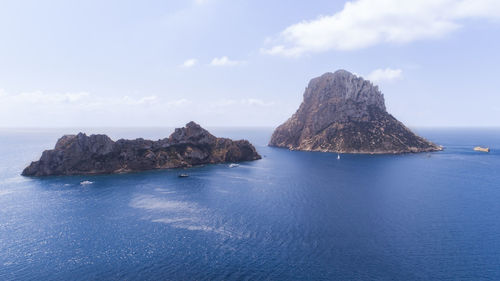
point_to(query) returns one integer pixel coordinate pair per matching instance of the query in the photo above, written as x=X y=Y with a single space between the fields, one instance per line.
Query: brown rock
x=346 y=114
x=98 y=154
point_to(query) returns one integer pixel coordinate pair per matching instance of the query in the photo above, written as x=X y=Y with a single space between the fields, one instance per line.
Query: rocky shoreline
x=98 y=154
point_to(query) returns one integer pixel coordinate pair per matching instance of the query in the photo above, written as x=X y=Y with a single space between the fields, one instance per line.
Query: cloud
x=38 y=97
x=257 y=102
x=240 y=102
x=179 y=102
x=39 y=108
x=366 y=23
x=132 y=101
x=189 y=63
x=74 y=109
x=225 y=61
x=387 y=74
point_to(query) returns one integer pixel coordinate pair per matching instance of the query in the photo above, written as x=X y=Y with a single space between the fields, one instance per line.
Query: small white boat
x=338 y=156
x=233 y=165
x=86 y=182
x=482 y=149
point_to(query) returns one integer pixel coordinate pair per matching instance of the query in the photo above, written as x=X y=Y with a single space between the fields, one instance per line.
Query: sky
x=120 y=63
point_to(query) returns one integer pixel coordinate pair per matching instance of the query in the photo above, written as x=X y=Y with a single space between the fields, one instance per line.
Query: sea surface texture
x=290 y=216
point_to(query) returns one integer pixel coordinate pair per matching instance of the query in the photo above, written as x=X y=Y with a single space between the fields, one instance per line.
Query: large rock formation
x=344 y=113
x=98 y=154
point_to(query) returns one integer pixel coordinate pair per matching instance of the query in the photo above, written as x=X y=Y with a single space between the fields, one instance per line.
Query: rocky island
x=98 y=154
x=344 y=113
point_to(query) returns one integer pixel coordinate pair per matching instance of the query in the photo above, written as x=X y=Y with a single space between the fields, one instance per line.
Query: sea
x=290 y=216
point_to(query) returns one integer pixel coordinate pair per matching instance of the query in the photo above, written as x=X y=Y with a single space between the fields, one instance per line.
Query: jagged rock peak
x=191 y=133
x=342 y=112
x=342 y=85
x=101 y=144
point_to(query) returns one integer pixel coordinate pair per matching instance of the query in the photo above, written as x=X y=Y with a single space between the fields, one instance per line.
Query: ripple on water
x=183 y=214
x=5 y=192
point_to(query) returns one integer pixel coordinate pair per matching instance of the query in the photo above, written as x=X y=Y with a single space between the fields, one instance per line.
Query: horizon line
x=226 y=126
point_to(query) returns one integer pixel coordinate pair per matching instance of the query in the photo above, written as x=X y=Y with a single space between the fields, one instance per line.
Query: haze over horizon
x=239 y=63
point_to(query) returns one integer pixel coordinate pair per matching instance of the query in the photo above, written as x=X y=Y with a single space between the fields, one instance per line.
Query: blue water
x=292 y=215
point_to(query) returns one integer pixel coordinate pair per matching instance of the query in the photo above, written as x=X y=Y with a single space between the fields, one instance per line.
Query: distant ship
x=338 y=156
x=183 y=175
x=86 y=182
x=482 y=149
x=233 y=165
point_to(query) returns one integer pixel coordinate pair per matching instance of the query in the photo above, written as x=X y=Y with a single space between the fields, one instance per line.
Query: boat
x=86 y=182
x=482 y=149
x=233 y=165
x=338 y=156
x=183 y=175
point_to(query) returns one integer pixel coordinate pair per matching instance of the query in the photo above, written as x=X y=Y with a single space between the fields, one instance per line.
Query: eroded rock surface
x=98 y=154
x=344 y=113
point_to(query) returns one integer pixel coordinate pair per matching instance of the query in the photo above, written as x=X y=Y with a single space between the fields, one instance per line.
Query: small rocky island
x=344 y=113
x=98 y=154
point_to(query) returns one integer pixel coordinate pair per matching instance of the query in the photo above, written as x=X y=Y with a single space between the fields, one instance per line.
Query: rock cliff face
x=345 y=113
x=98 y=154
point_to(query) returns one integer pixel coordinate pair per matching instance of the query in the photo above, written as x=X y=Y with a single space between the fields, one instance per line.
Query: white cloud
x=132 y=101
x=73 y=109
x=241 y=102
x=189 y=63
x=365 y=23
x=225 y=61
x=179 y=103
x=258 y=102
x=39 y=97
x=387 y=74
x=38 y=108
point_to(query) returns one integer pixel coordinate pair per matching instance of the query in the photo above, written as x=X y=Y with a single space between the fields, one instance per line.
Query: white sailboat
x=338 y=156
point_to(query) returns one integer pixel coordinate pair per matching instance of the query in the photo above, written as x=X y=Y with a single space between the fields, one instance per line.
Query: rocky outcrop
x=98 y=154
x=344 y=113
